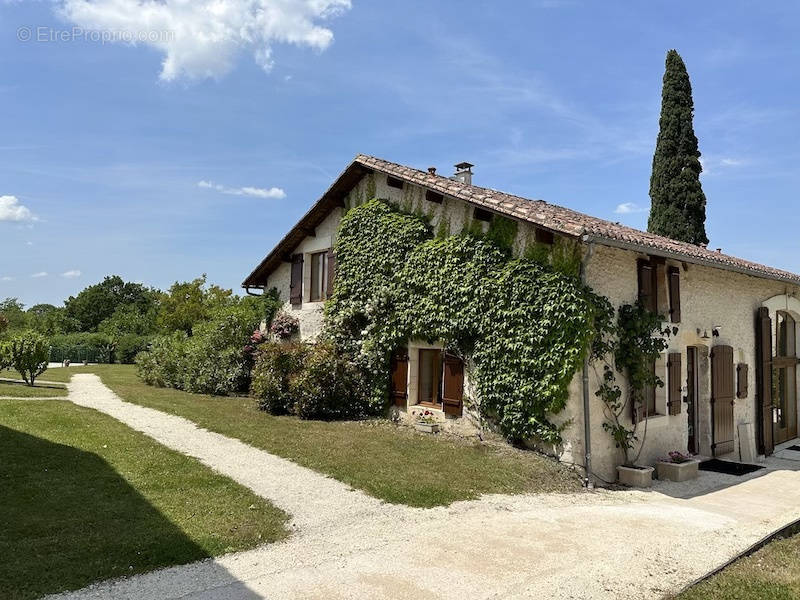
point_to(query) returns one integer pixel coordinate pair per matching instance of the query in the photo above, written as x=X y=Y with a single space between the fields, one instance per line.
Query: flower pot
x=673 y=471
x=427 y=427
x=635 y=476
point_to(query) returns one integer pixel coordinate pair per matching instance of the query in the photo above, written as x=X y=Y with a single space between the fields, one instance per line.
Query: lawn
x=86 y=498
x=772 y=573
x=386 y=461
x=21 y=390
x=59 y=374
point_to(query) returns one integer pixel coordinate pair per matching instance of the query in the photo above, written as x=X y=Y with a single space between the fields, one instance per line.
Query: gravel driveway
x=606 y=544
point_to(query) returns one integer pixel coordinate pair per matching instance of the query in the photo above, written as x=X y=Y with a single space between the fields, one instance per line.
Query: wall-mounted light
x=705 y=334
x=715 y=330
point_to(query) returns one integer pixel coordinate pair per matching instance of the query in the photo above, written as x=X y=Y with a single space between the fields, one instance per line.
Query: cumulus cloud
x=39 y=275
x=202 y=38
x=627 y=208
x=71 y=274
x=273 y=192
x=12 y=210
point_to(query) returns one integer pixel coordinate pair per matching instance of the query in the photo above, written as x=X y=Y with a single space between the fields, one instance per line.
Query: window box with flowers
x=425 y=421
x=678 y=467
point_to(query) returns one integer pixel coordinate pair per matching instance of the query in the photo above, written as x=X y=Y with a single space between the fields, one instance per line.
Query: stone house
x=730 y=371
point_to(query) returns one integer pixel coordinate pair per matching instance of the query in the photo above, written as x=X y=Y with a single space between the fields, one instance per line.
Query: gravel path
x=631 y=544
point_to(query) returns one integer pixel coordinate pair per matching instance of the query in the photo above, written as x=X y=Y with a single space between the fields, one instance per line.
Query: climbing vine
x=524 y=327
x=637 y=341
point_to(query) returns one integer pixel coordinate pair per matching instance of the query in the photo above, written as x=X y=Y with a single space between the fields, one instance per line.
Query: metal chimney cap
x=464 y=166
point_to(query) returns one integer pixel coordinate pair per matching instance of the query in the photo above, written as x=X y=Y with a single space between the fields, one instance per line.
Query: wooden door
x=453 y=386
x=722 y=400
x=766 y=443
x=400 y=378
x=691 y=400
x=785 y=389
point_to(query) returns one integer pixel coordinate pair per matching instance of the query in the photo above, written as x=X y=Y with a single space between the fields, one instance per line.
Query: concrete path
x=631 y=544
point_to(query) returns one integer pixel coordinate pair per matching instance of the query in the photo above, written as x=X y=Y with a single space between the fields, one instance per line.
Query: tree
x=189 y=303
x=29 y=354
x=13 y=311
x=98 y=302
x=678 y=204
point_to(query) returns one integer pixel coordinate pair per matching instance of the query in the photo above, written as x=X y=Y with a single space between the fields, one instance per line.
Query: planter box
x=635 y=476
x=677 y=471
x=427 y=427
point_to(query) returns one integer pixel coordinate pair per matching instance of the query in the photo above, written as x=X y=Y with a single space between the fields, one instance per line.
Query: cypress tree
x=678 y=204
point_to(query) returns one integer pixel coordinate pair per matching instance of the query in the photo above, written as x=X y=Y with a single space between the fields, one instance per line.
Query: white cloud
x=39 y=274
x=202 y=38
x=627 y=208
x=6 y=278
x=12 y=210
x=273 y=192
x=71 y=274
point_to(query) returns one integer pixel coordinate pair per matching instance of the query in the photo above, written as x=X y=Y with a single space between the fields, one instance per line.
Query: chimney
x=432 y=170
x=464 y=173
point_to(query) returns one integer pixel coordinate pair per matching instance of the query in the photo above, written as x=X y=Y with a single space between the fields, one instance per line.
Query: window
x=542 y=236
x=319 y=276
x=394 y=182
x=483 y=215
x=430 y=376
x=785 y=343
x=434 y=197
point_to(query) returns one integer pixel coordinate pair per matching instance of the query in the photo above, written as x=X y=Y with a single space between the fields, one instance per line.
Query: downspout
x=587 y=426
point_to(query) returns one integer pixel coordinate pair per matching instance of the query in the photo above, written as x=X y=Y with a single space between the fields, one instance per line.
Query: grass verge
x=391 y=463
x=772 y=573
x=86 y=498
x=21 y=390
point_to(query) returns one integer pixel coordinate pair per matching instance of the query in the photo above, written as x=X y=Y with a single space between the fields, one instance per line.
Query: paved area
x=606 y=544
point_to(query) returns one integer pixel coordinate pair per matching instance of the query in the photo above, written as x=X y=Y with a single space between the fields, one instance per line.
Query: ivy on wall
x=525 y=326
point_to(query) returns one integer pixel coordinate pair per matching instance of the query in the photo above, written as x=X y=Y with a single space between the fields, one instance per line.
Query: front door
x=430 y=377
x=784 y=379
x=691 y=399
x=722 y=400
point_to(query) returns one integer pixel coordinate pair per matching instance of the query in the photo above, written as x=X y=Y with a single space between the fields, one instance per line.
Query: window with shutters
x=430 y=377
x=436 y=380
x=674 y=283
x=659 y=287
x=319 y=276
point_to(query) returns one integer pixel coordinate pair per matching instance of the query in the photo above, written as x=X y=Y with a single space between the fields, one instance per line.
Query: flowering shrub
x=275 y=365
x=424 y=416
x=677 y=457
x=284 y=326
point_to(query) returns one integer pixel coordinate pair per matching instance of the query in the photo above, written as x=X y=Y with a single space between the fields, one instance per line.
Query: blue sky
x=103 y=145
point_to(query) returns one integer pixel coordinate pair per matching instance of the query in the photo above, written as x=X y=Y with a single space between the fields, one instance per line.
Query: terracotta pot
x=640 y=477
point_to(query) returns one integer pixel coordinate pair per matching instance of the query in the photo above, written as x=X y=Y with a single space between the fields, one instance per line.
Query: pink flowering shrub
x=284 y=326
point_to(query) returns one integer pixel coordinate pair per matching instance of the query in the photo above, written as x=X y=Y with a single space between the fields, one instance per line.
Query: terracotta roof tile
x=572 y=223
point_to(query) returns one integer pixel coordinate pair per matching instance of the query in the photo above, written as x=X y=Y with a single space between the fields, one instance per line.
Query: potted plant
x=426 y=422
x=678 y=467
x=636 y=342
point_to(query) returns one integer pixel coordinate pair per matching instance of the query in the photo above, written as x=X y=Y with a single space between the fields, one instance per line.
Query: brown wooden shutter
x=674 y=383
x=741 y=380
x=331 y=273
x=675 y=294
x=647 y=288
x=400 y=377
x=453 y=386
x=766 y=443
x=722 y=400
x=296 y=284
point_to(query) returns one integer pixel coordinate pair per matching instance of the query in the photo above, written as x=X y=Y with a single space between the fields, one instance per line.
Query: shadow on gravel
x=68 y=519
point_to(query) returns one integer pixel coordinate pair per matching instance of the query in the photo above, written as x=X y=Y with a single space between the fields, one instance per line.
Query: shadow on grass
x=67 y=519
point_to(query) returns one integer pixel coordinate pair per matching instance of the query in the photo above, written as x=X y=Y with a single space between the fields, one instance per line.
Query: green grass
x=772 y=573
x=59 y=374
x=388 y=462
x=22 y=390
x=85 y=498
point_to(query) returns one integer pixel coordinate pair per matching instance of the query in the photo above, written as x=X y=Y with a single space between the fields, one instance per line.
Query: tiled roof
x=542 y=214
x=572 y=223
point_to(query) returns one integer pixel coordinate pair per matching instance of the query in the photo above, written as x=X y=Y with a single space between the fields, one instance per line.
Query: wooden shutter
x=296 y=284
x=331 y=273
x=647 y=284
x=722 y=400
x=675 y=294
x=453 y=385
x=741 y=380
x=674 y=383
x=400 y=377
x=766 y=443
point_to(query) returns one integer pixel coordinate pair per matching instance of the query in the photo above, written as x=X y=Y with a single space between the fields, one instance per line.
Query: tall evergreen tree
x=678 y=204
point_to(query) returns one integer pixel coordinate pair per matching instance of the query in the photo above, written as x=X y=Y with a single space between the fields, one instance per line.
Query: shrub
x=5 y=355
x=276 y=364
x=329 y=386
x=29 y=354
x=128 y=346
x=284 y=326
x=163 y=364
